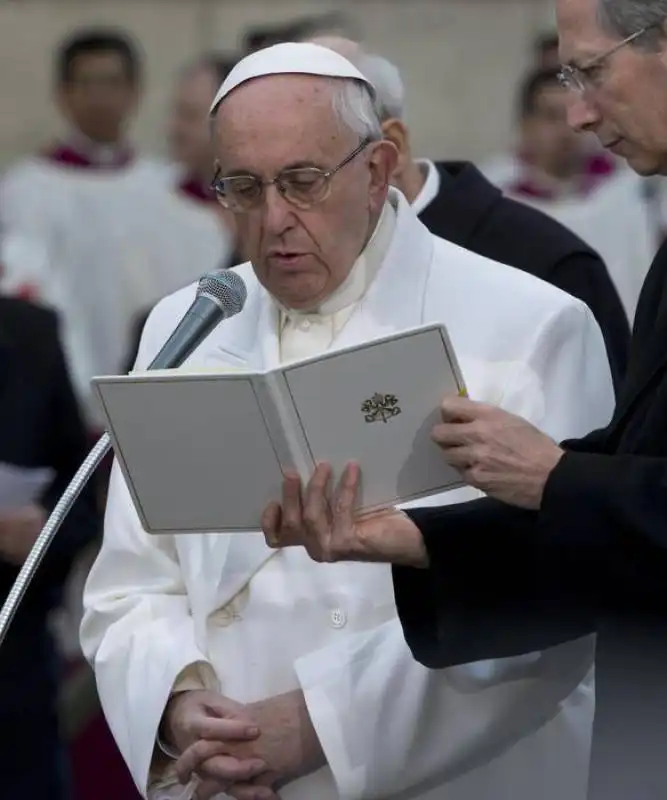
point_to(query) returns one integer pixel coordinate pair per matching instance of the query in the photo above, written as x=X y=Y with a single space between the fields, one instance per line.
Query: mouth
x=286 y=257
x=612 y=144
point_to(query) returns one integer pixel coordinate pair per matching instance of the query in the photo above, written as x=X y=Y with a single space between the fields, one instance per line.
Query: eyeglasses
x=303 y=187
x=581 y=78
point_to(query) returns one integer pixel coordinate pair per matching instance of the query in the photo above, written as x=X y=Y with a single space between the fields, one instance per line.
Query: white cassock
x=101 y=246
x=616 y=221
x=228 y=613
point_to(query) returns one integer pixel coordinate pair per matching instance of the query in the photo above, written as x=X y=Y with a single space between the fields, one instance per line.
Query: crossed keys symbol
x=380 y=408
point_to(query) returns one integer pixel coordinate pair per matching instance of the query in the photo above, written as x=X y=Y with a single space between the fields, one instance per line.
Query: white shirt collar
x=431 y=187
x=363 y=271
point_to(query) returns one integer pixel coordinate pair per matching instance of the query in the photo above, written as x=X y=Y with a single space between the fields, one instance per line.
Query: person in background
x=40 y=427
x=86 y=203
x=189 y=137
x=554 y=164
x=574 y=185
x=202 y=233
x=455 y=201
x=545 y=51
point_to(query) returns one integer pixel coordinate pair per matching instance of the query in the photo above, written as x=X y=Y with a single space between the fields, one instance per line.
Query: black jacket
x=594 y=558
x=41 y=426
x=474 y=214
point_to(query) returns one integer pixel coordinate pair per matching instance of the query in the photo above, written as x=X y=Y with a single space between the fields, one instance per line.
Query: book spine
x=282 y=421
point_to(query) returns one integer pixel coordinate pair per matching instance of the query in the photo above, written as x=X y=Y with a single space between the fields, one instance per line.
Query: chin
x=646 y=164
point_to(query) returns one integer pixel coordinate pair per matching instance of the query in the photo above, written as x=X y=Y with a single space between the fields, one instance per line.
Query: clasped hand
x=247 y=752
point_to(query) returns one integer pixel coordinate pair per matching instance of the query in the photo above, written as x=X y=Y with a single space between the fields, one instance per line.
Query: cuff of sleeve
x=197 y=676
x=316 y=678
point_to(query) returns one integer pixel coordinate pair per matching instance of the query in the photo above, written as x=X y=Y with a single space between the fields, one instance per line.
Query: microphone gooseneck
x=220 y=295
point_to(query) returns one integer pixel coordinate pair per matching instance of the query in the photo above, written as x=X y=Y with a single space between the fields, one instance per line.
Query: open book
x=206 y=451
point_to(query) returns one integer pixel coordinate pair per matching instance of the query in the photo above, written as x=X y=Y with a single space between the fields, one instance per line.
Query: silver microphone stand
x=52 y=526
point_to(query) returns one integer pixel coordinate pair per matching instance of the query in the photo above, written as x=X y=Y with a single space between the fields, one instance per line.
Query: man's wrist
x=397 y=540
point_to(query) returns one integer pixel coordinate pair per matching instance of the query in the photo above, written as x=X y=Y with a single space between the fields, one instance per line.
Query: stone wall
x=460 y=58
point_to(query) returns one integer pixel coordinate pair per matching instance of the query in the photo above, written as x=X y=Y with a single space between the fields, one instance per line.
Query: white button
x=223 y=617
x=338 y=618
x=305 y=325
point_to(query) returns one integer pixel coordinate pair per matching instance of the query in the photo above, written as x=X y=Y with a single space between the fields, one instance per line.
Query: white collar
x=102 y=155
x=431 y=187
x=363 y=271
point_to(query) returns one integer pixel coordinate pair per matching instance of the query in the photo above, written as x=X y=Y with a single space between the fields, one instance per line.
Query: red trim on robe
x=68 y=156
x=193 y=188
x=598 y=167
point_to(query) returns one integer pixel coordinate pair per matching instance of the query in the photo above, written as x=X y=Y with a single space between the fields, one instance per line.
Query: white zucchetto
x=289 y=58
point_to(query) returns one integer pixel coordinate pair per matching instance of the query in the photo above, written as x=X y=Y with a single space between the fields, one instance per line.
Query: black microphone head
x=226 y=288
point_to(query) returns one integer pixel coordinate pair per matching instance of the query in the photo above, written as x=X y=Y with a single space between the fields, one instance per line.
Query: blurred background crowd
x=105 y=167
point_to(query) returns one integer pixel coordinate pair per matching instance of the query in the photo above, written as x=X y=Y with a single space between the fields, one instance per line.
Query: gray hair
x=622 y=18
x=354 y=107
x=386 y=78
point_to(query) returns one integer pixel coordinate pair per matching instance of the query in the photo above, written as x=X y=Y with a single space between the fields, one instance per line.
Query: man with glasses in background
x=572 y=537
x=313 y=656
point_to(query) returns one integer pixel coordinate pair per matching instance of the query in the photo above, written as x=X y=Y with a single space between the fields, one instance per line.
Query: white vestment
x=252 y=622
x=102 y=246
x=618 y=223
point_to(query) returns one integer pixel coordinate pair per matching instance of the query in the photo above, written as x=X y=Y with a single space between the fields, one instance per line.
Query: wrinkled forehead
x=289 y=114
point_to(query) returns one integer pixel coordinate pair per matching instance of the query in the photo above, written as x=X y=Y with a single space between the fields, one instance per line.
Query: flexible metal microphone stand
x=220 y=295
x=52 y=526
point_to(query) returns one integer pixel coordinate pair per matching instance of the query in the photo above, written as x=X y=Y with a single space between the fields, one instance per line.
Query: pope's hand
x=499 y=453
x=205 y=725
x=327 y=526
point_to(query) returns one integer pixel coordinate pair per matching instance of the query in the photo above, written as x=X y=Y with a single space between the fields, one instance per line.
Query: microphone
x=220 y=295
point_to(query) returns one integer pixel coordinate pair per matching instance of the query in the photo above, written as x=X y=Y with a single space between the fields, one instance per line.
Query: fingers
x=242 y=791
x=448 y=435
x=316 y=509
x=291 y=521
x=207 y=790
x=227 y=729
x=271 y=522
x=461 y=409
x=346 y=495
x=245 y=791
x=210 y=762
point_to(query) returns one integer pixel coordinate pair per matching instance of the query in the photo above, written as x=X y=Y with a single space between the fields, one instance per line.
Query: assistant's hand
x=497 y=452
x=329 y=529
x=205 y=725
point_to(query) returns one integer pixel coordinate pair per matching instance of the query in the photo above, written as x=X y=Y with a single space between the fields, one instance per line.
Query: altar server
x=82 y=226
x=194 y=639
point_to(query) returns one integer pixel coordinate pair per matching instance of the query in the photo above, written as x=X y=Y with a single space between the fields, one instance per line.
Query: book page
x=377 y=405
x=194 y=449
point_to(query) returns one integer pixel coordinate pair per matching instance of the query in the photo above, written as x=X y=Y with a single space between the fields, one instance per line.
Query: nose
x=582 y=115
x=278 y=212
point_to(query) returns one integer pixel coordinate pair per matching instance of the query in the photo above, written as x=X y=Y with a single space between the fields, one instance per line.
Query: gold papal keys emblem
x=380 y=408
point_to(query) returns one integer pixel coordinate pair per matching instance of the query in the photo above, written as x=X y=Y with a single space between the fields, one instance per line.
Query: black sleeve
x=490 y=591
x=501 y=580
x=67 y=448
x=584 y=275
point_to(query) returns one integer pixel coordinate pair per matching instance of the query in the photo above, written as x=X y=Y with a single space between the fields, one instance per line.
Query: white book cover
x=206 y=451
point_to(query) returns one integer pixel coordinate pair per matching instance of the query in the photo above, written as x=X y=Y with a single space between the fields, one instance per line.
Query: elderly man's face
x=286 y=121
x=625 y=99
